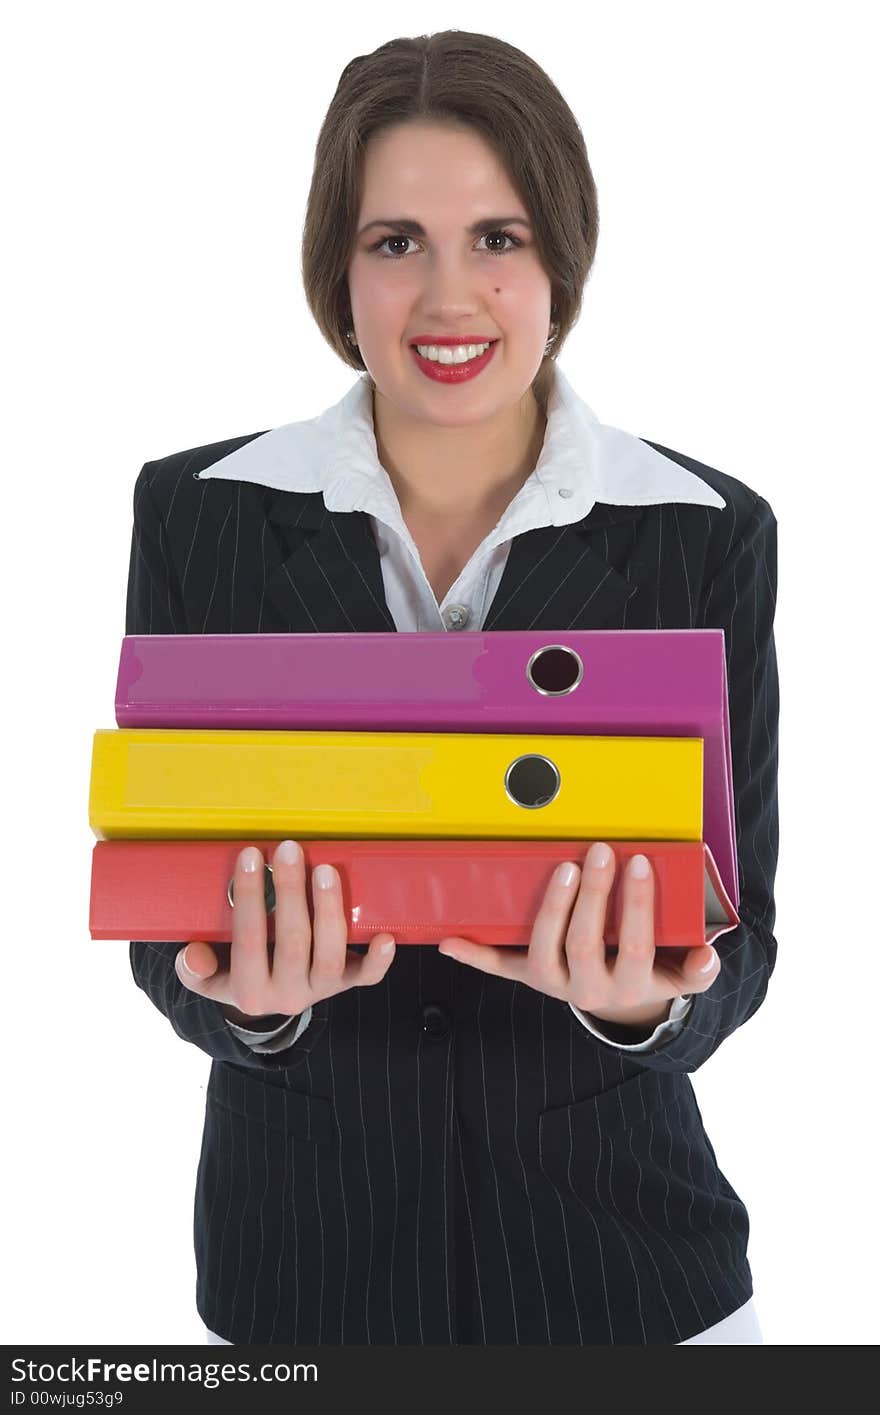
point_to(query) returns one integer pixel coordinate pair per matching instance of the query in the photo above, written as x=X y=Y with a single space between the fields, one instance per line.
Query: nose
x=452 y=291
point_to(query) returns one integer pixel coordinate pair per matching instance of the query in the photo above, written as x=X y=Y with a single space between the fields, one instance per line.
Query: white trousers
x=741 y=1328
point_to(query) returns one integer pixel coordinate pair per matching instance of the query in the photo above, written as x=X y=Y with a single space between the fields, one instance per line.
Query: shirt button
x=456 y=616
x=435 y=1020
x=566 y=491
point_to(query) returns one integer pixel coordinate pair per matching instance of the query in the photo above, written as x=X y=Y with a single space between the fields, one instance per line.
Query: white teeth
x=451 y=354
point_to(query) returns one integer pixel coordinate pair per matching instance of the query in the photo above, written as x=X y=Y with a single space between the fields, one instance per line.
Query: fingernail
x=288 y=852
x=599 y=855
x=387 y=946
x=639 y=867
x=566 y=873
x=191 y=971
x=707 y=967
x=324 y=876
x=250 y=859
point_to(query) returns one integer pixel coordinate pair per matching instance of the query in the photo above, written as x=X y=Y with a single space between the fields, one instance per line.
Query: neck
x=453 y=474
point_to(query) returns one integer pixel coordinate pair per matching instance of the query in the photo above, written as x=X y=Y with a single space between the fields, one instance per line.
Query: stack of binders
x=443 y=775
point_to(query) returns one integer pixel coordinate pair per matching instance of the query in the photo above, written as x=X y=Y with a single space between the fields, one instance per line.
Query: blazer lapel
x=328 y=575
x=328 y=579
x=556 y=577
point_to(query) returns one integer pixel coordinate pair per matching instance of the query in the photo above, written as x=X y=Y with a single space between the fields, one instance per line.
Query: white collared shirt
x=582 y=462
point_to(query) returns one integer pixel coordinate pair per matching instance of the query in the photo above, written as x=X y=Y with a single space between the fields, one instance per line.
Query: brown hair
x=459 y=78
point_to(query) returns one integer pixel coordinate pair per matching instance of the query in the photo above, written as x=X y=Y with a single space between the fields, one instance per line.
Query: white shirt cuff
x=678 y=1012
x=276 y=1040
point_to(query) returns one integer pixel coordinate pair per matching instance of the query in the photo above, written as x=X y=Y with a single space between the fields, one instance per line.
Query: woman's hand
x=299 y=973
x=566 y=956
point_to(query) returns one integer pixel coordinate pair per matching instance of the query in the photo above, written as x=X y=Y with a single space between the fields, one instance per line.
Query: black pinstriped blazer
x=449 y=1157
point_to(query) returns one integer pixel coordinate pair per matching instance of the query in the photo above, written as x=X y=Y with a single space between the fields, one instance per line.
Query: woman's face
x=446 y=280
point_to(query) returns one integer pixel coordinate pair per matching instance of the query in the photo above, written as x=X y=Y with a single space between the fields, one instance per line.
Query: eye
x=388 y=255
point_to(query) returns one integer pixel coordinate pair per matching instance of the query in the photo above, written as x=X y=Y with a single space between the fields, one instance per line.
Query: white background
x=157 y=159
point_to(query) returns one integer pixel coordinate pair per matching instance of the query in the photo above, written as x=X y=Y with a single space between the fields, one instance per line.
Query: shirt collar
x=582 y=461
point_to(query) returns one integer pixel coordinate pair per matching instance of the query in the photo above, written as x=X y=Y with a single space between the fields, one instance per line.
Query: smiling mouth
x=453 y=359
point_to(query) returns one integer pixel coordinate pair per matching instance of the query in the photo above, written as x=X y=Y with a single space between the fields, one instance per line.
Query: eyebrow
x=414 y=228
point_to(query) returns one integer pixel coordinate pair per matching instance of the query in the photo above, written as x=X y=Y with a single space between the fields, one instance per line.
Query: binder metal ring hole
x=268 y=889
x=555 y=670
x=532 y=782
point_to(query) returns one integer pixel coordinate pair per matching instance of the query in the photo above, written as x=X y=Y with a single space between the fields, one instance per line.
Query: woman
x=462 y=1144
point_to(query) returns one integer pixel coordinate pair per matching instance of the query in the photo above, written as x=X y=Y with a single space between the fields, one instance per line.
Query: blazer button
x=435 y=1020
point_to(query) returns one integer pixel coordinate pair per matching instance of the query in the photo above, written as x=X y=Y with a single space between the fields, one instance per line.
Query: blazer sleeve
x=155 y=605
x=740 y=598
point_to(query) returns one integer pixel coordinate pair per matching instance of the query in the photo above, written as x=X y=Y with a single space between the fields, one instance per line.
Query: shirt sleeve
x=663 y=1032
x=277 y=1038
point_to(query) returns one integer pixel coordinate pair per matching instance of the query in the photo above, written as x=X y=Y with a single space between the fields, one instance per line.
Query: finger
x=211 y=981
x=687 y=974
x=194 y=969
x=546 y=956
x=340 y=966
x=588 y=972
x=541 y=966
x=291 y=958
x=249 y=981
x=333 y=968
x=504 y=962
x=376 y=961
x=632 y=974
x=700 y=969
x=199 y=960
